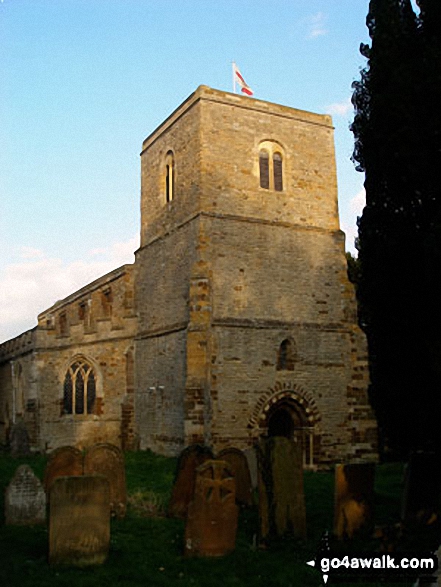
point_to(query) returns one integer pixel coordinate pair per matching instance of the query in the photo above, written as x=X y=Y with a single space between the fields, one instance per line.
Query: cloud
x=340 y=108
x=37 y=281
x=30 y=253
x=316 y=25
x=358 y=202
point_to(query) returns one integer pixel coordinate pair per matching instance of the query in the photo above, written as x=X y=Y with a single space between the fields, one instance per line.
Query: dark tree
x=396 y=131
x=353 y=268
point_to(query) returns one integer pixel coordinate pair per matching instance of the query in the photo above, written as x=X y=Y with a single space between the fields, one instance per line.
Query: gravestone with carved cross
x=212 y=515
x=238 y=464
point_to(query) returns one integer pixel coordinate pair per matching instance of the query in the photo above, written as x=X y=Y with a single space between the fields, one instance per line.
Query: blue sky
x=83 y=82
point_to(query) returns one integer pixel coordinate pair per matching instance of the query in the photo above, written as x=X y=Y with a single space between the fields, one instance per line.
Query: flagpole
x=234 y=77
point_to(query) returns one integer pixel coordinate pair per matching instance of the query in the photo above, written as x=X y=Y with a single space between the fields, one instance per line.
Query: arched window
x=169 y=176
x=286 y=356
x=264 y=169
x=278 y=172
x=79 y=391
x=271 y=166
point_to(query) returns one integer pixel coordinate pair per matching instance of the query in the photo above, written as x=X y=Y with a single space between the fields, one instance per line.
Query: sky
x=83 y=82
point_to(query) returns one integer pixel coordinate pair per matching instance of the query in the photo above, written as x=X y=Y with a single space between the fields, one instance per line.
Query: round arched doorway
x=289 y=419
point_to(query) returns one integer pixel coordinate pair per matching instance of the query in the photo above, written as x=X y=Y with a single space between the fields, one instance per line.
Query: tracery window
x=169 y=176
x=271 y=166
x=79 y=390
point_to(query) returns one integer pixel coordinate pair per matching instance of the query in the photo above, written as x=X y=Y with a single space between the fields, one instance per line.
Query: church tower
x=247 y=321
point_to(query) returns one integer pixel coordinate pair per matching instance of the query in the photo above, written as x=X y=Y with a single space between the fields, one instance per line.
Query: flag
x=245 y=88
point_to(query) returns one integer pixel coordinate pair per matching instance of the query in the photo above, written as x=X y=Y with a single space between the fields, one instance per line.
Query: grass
x=146 y=547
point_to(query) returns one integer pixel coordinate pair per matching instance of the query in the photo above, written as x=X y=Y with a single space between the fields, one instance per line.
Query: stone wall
x=233 y=128
x=168 y=252
x=95 y=325
x=237 y=269
x=18 y=385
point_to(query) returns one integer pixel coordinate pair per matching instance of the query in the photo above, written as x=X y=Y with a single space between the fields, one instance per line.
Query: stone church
x=237 y=318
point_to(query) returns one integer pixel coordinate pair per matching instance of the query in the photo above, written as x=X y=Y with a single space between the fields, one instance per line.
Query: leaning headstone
x=212 y=514
x=25 y=500
x=238 y=465
x=183 y=488
x=79 y=521
x=281 y=494
x=354 y=498
x=19 y=442
x=422 y=489
x=66 y=461
x=108 y=460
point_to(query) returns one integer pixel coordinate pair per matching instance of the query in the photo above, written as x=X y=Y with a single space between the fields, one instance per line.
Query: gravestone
x=19 y=442
x=108 y=460
x=183 y=488
x=238 y=465
x=280 y=483
x=63 y=462
x=251 y=457
x=79 y=521
x=422 y=489
x=25 y=500
x=354 y=498
x=212 y=514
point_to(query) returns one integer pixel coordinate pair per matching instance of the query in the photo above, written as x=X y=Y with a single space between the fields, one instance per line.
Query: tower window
x=286 y=356
x=79 y=390
x=271 y=166
x=264 y=169
x=169 y=176
x=278 y=172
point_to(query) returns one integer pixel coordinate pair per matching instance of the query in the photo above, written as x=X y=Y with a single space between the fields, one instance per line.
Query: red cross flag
x=237 y=78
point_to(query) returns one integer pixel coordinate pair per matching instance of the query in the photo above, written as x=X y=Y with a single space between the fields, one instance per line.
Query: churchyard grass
x=146 y=547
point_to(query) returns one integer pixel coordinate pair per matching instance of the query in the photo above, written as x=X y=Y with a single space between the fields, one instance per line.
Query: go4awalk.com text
x=374 y=567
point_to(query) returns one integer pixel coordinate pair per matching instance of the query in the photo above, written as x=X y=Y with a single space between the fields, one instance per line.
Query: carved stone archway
x=291 y=412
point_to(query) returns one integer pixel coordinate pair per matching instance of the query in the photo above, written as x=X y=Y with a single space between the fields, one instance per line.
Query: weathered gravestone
x=238 y=465
x=422 y=489
x=212 y=514
x=19 y=442
x=354 y=498
x=79 y=521
x=25 y=500
x=183 y=488
x=280 y=483
x=63 y=462
x=108 y=460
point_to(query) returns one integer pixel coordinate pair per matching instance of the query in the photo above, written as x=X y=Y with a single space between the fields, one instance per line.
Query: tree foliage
x=397 y=131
